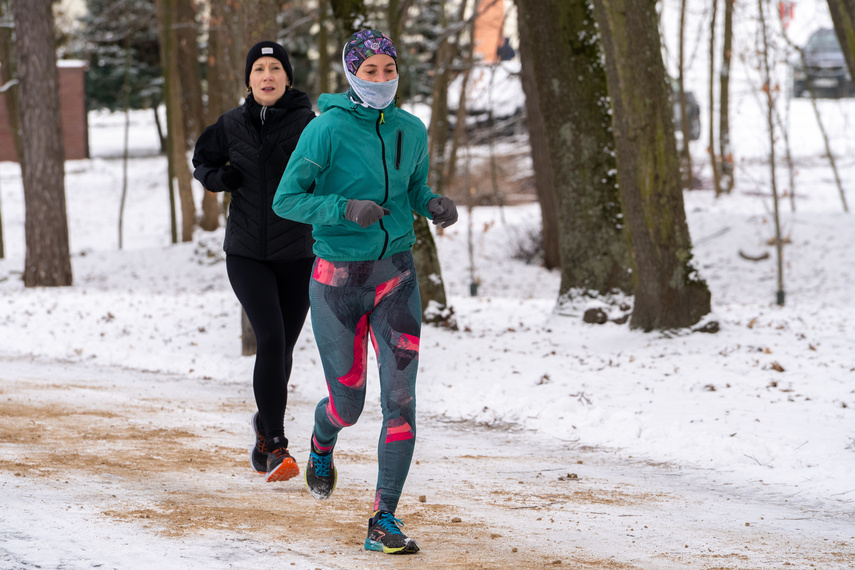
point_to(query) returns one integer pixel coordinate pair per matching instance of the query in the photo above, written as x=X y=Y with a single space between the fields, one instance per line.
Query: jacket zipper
x=264 y=206
x=380 y=120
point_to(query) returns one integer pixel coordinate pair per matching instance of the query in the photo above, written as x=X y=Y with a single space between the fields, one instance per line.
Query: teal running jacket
x=355 y=152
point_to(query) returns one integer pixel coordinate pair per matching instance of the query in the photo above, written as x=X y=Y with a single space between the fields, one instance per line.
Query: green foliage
x=111 y=29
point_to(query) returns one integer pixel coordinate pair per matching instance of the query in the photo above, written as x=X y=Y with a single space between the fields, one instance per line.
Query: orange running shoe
x=280 y=465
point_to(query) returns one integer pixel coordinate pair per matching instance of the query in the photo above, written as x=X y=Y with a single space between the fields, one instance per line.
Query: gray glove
x=443 y=210
x=364 y=212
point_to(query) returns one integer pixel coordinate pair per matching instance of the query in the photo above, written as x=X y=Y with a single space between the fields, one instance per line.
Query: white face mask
x=374 y=95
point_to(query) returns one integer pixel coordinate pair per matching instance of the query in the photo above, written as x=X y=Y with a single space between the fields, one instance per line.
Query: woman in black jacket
x=268 y=259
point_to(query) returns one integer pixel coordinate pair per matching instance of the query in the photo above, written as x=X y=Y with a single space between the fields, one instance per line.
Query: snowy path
x=115 y=468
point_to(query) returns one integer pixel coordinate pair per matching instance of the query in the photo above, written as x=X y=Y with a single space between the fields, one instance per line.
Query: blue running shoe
x=321 y=475
x=384 y=535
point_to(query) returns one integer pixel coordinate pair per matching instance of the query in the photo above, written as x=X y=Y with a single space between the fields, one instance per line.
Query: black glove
x=364 y=212
x=230 y=177
x=443 y=210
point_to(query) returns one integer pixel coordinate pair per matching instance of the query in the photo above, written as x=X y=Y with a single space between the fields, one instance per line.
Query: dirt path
x=123 y=469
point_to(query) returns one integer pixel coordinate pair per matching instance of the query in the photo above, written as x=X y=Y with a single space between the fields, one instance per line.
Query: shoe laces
x=389 y=523
x=281 y=452
x=321 y=464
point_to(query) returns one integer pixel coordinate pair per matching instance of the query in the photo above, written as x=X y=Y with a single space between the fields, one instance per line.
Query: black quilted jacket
x=257 y=141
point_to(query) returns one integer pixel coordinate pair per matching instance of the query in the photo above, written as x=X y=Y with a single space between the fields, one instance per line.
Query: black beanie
x=268 y=49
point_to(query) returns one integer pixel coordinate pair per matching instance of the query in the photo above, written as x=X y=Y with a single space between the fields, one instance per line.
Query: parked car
x=826 y=69
x=693 y=110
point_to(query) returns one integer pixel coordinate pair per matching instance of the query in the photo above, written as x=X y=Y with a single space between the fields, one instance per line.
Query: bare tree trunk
x=323 y=48
x=725 y=150
x=10 y=95
x=47 y=259
x=187 y=53
x=711 y=148
x=8 y=69
x=396 y=15
x=685 y=152
x=571 y=82
x=668 y=291
x=175 y=136
x=468 y=54
x=843 y=18
x=431 y=284
x=438 y=129
x=225 y=60
x=193 y=110
x=770 y=113
x=791 y=169
x=260 y=23
x=125 y=146
x=543 y=177
x=160 y=134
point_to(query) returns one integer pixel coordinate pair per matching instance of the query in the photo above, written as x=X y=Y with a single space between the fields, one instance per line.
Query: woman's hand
x=230 y=177
x=364 y=212
x=443 y=210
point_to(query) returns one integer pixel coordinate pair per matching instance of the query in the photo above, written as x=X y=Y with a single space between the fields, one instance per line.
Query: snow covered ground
x=674 y=414
x=124 y=399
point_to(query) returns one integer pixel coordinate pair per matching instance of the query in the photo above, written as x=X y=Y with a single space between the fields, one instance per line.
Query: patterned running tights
x=352 y=301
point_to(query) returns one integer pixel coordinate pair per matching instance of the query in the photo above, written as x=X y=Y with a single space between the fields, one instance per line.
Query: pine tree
x=105 y=30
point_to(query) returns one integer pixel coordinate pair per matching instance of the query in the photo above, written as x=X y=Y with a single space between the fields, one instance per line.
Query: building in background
x=491 y=35
x=72 y=106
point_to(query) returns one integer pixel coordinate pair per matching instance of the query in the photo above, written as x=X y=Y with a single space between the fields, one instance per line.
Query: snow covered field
x=124 y=400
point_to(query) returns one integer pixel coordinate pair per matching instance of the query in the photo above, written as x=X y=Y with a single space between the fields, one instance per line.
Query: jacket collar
x=292 y=99
x=344 y=101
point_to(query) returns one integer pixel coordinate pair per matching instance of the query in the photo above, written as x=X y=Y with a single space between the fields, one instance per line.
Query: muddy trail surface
x=114 y=468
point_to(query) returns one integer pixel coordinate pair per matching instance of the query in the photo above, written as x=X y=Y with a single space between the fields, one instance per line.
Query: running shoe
x=321 y=475
x=385 y=535
x=280 y=465
x=258 y=456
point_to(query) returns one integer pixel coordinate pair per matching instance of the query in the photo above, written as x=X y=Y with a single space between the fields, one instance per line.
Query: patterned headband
x=365 y=43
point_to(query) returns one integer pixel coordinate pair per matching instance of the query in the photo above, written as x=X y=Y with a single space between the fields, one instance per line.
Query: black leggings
x=275 y=296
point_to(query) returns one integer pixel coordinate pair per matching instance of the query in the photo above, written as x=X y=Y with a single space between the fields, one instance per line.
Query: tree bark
x=843 y=18
x=47 y=259
x=768 y=90
x=668 y=291
x=725 y=151
x=711 y=115
x=187 y=54
x=447 y=50
x=571 y=84
x=685 y=127
x=260 y=23
x=543 y=177
x=225 y=60
x=323 y=48
x=428 y=270
x=192 y=106
x=179 y=169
